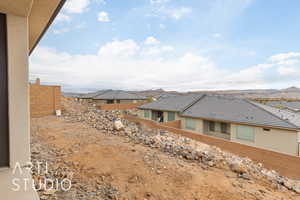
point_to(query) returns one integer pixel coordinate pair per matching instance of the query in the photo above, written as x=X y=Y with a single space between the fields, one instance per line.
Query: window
x=224 y=128
x=211 y=126
x=171 y=116
x=245 y=133
x=266 y=129
x=110 y=101
x=118 y=101
x=190 y=124
x=146 y=114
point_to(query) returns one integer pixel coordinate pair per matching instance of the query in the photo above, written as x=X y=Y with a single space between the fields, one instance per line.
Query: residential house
x=22 y=25
x=233 y=119
x=118 y=97
x=289 y=105
x=89 y=96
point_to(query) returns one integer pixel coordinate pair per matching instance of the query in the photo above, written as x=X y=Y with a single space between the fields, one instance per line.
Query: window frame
x=249 y=139
x=211 y=126
x=110 y=101
x=222 y=125
x=148 y=114
x=193 y=122
x=171 y=115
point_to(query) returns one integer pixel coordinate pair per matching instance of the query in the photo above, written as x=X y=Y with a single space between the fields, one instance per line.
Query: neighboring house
x=163 y=96
x=89 y=96
x=118 y=97
x=22 y=25
x=229 y=118
x=289 y=105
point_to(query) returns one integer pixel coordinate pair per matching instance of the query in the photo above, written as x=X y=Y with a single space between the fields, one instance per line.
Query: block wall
x=44 y=100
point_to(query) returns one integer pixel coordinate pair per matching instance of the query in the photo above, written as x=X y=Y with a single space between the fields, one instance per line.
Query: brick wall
x=123 y=106
x=284 y=164
x=44 y=99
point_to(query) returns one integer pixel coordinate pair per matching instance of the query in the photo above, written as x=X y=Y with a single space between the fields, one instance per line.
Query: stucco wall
x=17 y=36
x=280 y=140
x=199 y=125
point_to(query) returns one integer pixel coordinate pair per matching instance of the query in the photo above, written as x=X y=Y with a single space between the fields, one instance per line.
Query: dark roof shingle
x=119 y=94
x=176 y=103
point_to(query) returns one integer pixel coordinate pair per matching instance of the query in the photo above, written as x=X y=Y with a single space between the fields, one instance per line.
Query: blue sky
x=171 y=44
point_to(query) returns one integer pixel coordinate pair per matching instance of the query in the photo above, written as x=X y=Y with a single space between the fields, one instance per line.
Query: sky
x=182 y=45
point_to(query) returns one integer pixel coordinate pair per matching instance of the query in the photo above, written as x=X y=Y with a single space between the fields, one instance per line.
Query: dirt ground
x=139 y=172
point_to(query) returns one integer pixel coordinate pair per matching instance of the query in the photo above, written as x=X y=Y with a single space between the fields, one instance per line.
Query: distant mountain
x=289 y=93
x=291 y=89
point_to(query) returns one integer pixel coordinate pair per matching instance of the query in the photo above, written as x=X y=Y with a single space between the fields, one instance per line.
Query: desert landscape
x=107 y=164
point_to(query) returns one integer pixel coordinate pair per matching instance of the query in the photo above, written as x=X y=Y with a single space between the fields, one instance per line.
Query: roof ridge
x=261 y=108
x=192 y=103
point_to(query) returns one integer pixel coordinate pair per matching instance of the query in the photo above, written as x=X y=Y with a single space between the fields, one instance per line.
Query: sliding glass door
x=4 y=135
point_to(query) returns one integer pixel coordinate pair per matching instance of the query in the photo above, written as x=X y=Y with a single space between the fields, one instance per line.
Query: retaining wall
x=284 y=164
x=123 y=106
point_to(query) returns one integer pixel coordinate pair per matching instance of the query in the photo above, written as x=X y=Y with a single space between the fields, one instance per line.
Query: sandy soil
x=139 y=172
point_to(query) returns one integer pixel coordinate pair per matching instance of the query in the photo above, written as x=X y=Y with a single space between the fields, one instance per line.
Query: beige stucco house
x=233 y=119
x=22 y=24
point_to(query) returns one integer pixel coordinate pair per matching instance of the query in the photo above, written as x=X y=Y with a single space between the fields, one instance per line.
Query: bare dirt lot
x=111 y=167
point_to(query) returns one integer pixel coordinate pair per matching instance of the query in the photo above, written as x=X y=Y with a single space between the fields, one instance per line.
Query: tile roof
x=92 y=94
x=119 y=94
x=292 y=105
x=176 y=103
x=227 y=109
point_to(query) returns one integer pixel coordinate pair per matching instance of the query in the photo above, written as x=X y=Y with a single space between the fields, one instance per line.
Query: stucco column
x=18 y=89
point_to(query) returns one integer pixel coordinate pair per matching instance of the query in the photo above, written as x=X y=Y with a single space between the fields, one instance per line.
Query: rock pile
x=111 y=122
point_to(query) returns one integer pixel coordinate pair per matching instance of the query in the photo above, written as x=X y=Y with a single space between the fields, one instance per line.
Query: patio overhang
x=40 y=13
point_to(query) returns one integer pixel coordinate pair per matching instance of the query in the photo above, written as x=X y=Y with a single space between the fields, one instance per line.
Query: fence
x=121 y=106
x=284 y=164
x=44 y=99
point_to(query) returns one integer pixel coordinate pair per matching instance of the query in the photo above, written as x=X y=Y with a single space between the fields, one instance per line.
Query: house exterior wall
x=199 y=125
x=165 y=114
x=279 y=140
x=19 y=119
x=44 y=100
x=125 y=101
x=177 y=117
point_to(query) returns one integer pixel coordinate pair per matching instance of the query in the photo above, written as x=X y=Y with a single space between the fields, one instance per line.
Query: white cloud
x=151 y=41
x=159 y=1
x=103 y=17
x=76 y=6
x=160 y=8
x=126 y=65
x=288 y=71
x=117 y=48
x=284 y=56
x=62 y=18
x=157 y=50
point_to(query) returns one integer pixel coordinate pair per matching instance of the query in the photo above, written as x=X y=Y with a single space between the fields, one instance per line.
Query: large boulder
x=118 y=125
x=238 y=167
